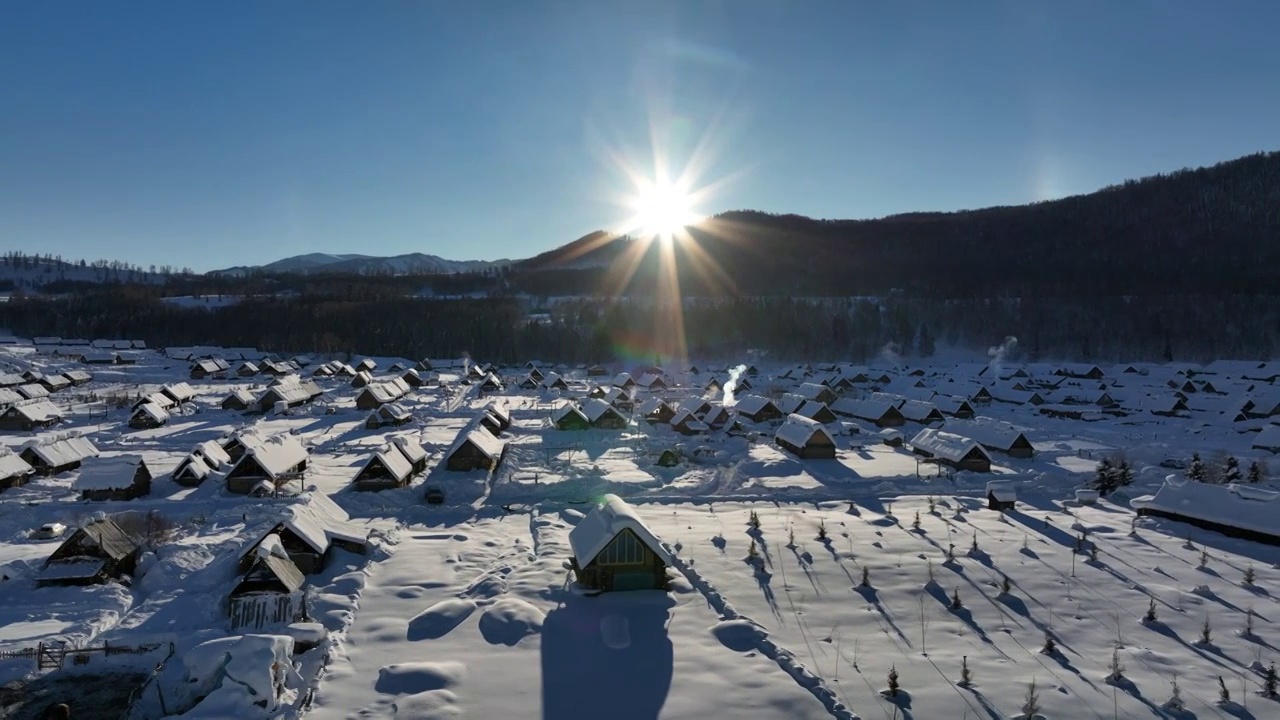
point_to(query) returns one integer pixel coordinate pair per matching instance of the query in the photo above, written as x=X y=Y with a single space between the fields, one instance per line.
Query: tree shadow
x=596 y=651
x=873 y=598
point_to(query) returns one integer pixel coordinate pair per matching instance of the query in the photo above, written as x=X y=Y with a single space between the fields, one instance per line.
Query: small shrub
x=866 y=577
x=1050 y=645
x=955 y=599
x=1116 y=667
x=1206 y=631
x=1248 y=575
x=822 y=529
x=973 y=548
x=1224 y=695
x=1006 y=585
x=1269 y=681
x=893 y=681
x=966 y=676
x=752 y=552
x=1031 y=701
x=1150 y=617
x=915 y=524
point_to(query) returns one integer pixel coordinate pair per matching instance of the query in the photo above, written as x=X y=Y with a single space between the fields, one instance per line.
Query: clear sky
x=211 y=134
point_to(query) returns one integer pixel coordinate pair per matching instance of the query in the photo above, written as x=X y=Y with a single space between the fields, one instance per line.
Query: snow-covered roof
x=812 y=391
x=945 y=445
x=38 y=410
x=242 y=395
x=410 y=448
x=790 y=402
x=108 y=473
x=12 y=465
x=481 y=439
x=653 y=405
x=64 y=450
x=799 y=431
x=275 y=455
x=180 y=392
x=988 y=432
x=1235 y=505
x=565 y=412
x=1002 y=490
x=916 y=410
x=76 y=376
x=390 y=411
x=73 y=569
x=31 y=391
x=388 y=390
x=595 y=408
x=621 y=379
x=11 y=379
x=751 y=404
x=9 y=397
x=158 y=399
x=196 y=465
x=865 y=409
x=153 y=411
x=394 y=461
x=211 y=451
x=594 y=532
x=1268 y=439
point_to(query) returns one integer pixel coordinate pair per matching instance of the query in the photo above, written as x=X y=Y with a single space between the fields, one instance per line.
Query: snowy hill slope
x=411 y=263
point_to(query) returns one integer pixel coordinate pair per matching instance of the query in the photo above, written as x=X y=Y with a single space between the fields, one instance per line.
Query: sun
x=663 y=209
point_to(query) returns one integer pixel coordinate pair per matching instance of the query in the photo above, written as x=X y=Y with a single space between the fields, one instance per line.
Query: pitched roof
x=564 y=412
x=210 y=450
x=752 y=404
x=945 y=445
x=410 y=448
x=1241 y=506
x=64 y=450
x=593 y=533
x=799 y=430
x=986 y=431
x=153 y=411
x=281 y=568
x=595 y=408
x=275 y=455
x=108 y=473
x=481 y=439
x=181 y=391
x=393 y=460
x=39 y=410
x=11 y=465
x=107 y=536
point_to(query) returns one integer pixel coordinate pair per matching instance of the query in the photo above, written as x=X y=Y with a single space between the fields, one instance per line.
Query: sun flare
x=663 y=209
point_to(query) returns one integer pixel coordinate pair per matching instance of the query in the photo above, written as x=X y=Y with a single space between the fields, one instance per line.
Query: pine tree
x=1175 y=701
x=1231 y=470
x=1195 y=471
x=1255 y=472
x=752 y=553
x=974 y=547
x=1093 y=552
x=866 y=577
x=1248 y=575
x=1105 y=479
x=955 y=599
x=1006 y=585
x=893 y=681
x=966 y=676
x=915 y=524
x=1269 y=681
x=933 y=505
x=753 y=520
x=1124 y=473
x=1204 y=557
x=1206 y=632
x=791 y=536
x=822 y=529
x=1150 y=617
x=1224 y=695
x=925 y=346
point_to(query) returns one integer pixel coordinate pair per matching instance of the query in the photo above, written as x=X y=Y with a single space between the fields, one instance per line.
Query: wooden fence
x=255 y=612
x=52 y=655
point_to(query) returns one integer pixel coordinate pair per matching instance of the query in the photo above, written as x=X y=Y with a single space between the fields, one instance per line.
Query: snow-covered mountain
x=412 y=263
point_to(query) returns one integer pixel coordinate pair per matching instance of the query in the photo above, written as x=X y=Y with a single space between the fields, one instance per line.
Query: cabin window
x=625 y=549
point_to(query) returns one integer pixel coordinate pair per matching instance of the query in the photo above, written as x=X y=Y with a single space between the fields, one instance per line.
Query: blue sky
x=220 y=133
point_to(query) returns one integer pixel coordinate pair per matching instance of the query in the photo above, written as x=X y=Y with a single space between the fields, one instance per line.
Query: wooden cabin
x=475 y=449
x=614 y=550
x=30 y=415
x=268 y=594
x=59 y=455
x=122 y=477
x=570 y=417
x=1001 y=496
x=240 y=400
x=14 y=471
x=96 y=553
x=389 y=415
x=993 y=435
x=267 y=464
x=757 y=409
x=309 y=534
x=386 y=469
x=805 y=438
x=656 y=411
x=952 y=450
x=602 y=415
x=148 y=416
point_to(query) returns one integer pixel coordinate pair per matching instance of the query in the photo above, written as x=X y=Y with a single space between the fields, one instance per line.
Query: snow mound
x=419 y=677
x=737 y=635
x=430 y=705
x=440 y=619
x=241 y=676
x=509 y=620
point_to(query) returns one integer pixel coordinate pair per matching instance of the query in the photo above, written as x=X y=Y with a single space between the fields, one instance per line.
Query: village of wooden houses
x=390 y=537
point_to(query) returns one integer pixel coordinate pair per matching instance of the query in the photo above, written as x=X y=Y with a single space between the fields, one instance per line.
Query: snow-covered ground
x=467 y=609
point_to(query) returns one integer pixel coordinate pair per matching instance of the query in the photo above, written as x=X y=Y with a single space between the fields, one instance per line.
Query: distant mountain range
x=410 y=264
